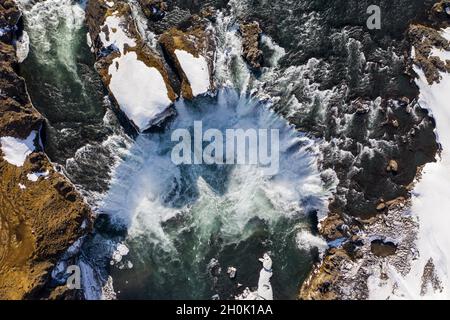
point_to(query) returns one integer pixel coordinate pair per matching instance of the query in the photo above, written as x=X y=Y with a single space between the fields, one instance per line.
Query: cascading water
x=81 y=132
x=176 y=219
x=165 y=231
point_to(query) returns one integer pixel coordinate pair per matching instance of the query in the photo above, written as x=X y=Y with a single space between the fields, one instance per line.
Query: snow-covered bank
x=431 y=200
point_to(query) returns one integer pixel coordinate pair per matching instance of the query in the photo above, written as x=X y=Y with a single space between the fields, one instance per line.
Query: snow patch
x=431 y=201
x=139 y=90
x=196 y=70
x=116 y=34
x=441 y=53
x=15 y=151
x=33 y=177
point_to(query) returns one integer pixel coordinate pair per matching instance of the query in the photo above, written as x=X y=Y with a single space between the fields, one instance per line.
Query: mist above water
x=177 y=218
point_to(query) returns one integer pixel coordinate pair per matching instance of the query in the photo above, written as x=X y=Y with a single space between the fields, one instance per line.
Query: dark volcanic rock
x=383 y=249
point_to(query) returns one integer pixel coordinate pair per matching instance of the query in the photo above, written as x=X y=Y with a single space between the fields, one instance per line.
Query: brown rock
x=96 y=15
x=331 y=227
x=440 y=14
x=154 y=9
x=392 y=166
x=251 y=34
x=321 y=283
x=424 y=39
x=37 y=223
x=196 y=41
x=381 y=206
x=9 y=17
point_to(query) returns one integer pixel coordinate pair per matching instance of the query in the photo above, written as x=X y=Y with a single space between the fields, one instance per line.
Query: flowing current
x=166 y=231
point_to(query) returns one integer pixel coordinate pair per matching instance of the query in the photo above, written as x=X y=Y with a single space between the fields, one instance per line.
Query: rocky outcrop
x=424 y=39
x=121 y=52
x=183 y=58
x=324 y=280
x=9 y=18
x=440 y=14
x=382 y=248
x=41 y=213
x=155 y=10
x=251 y=35
x=362 y=253
x=186 y=41
x=180 y=14
x=196 y=42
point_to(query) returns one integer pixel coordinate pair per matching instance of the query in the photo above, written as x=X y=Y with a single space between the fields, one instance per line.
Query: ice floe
x=121 y=251
x=264 y=286
x=264 y=290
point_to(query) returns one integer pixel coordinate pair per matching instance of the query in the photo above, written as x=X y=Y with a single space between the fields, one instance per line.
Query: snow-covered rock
x=196 y=70
x=191 y=52
x=264 y=286
x=139 y=90
x=34 y=176
x=15 y=151
x=134 y=74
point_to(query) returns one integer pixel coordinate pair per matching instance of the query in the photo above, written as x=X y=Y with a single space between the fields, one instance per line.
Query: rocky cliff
x=41 y=213
x=180 y=63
